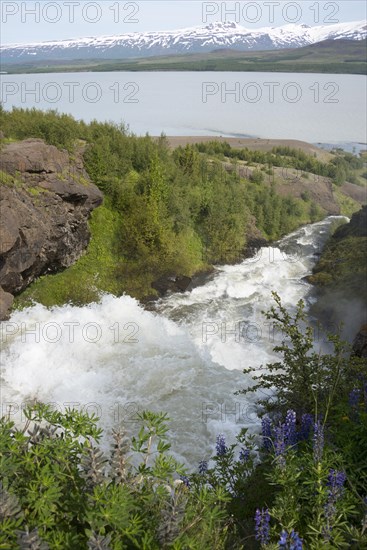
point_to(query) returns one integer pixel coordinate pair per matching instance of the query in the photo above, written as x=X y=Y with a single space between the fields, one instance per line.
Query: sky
x=38 y=21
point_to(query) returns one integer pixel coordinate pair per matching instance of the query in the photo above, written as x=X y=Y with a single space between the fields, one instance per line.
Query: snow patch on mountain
x=189 y=40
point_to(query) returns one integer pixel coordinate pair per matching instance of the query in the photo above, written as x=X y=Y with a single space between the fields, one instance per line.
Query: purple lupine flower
x=306 y=425
x=221 y=445
x=335 y=482
x=266 y=433
x=185 y=480
x=330 y=511
x=290 y=432
x=283 y=539
x=262 y=525
x=244 y=455
x=203 y=467
x=354 y=398
x=318 y=441
x=279 y=445
x=326 y=530
x=295 y=542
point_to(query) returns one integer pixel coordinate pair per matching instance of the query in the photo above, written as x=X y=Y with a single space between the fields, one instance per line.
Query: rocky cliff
x=340 y=277
x=357 y=227
x=46 y=198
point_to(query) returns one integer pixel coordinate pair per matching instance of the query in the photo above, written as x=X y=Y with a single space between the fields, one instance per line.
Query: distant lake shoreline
x=325 y=57
x=315 y=108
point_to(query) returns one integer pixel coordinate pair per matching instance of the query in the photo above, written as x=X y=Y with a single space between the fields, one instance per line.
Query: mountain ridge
x=191 y=40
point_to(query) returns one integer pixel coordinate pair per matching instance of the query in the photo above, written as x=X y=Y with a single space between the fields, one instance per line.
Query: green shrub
x=62 y=492
x=303 y=481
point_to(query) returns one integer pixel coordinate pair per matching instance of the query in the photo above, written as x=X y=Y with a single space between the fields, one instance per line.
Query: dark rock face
x=254 y=239
x=172 y=283
x=357 y=227
x=360 y=343
x=6 y=301
x=45 y=203
x=341 y=294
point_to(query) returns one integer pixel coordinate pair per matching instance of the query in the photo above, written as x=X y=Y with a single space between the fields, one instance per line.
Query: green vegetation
x=340 y=169
x=36 y=191
x=166 y=211
x=331 y=56
x=9 y=181
x=303 y=482
x=94 y=273
x=57 y=486
x=56 y=129
x=346 y=204
x=343 y=264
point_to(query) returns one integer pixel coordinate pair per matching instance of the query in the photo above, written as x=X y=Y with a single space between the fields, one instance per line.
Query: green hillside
x=330 y=56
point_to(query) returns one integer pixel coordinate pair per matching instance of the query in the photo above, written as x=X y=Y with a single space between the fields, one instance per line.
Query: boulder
x=171 y=283
x=6 y=301
x=360 y=343
x=45 y=202
x=357 y=227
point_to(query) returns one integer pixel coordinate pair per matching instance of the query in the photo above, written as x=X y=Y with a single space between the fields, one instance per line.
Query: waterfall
x=186 y=357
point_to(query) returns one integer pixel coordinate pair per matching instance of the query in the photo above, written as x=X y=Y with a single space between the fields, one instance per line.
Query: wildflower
x=221 y=445
x=296 y=542
x=262 y=525
x=279 y=444
x=335 y=483
x=203 y=467
x=185 y=480
x=330 y=511
x=244 y=455
x=290 y=428
x=283 y=539
x=318 y=441
x=306 y=425
x=293 y=540
x=266 y=432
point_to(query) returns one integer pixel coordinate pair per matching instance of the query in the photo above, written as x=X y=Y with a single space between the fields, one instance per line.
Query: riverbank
x=169 y=212
x=340 y=279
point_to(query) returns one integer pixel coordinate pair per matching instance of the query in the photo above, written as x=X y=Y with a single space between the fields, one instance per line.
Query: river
x=185 y=358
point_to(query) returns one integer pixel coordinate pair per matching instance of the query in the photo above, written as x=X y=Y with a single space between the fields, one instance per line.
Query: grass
x=343 y=263
x=10 y=181
x=83 y=282
x=37 y=191
x=348 y=206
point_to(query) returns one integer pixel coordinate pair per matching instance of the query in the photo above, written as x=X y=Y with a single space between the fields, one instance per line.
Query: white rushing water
x=185 y=358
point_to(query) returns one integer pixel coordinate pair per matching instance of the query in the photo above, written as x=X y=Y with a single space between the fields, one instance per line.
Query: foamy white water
x=186 y=358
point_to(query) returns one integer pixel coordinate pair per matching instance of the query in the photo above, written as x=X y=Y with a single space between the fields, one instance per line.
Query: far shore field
x=254 y=144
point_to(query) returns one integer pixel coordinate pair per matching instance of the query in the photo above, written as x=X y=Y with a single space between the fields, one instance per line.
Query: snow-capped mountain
x=192 y=40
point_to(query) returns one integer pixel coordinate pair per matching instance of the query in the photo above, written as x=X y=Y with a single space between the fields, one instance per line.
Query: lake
x=309 y=107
